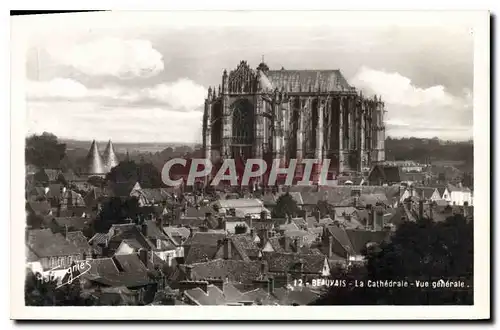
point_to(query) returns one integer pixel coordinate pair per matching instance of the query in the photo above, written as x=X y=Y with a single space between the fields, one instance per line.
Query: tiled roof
x=283 y=262
x=298 y=296
x=297 y=196
x=44 y=243
x=426 y=192
x=299 y=222
x=39 y=208
x=451 y=188
x=199 y=252
x=245 y=244
x=117 y=233
x=131 y=271
x=205 y=238
x=232 y=270
x=73 y=223
x=240 y=203
x=275 y=243
x=98 y=238
x=151 y=195
x=307 y=80
x=79 y=240
x=176 y=234
x=359 y=238
x=341 y=236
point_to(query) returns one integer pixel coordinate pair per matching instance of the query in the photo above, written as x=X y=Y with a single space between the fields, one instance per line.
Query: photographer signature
x=69 y=275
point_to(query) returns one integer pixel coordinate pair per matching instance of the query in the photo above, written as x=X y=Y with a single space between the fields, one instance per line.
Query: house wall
x=61 y=261
x=124 y=249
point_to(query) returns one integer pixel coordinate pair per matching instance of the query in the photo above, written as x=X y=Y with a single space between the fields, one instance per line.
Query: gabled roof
x=298 y=296
x=389 y=173
x=425 y=192
x=359 y=238
x=153 y=195
x=44 y=243
x=280 y=262
x=39 y=208
x=79 y=240
x=72 y=223
x=232 y=270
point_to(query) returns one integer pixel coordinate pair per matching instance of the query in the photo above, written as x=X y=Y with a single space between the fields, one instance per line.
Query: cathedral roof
x=307 y=80
x=109 y=157
x=94 y=161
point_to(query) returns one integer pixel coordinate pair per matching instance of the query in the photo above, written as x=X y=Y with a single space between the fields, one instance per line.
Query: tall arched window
x=243 y=122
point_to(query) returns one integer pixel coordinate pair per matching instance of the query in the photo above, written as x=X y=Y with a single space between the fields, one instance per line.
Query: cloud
x=181 y=95
x=397 y=89
x=121 y=58
x=57 y=88
x=90 y=120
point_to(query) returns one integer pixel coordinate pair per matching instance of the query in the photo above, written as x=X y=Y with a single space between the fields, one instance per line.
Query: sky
x=147 y=82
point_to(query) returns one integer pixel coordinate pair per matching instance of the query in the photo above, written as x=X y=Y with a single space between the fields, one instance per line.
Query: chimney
x=271 y=285
x=421 y=210
x=66 y=231
x=330 y=246
x=227 y=248
x=208 y=217
x=300 y=266
x=287 y=243
x=296 y=245
x=189 y=272
x=144 y=229
x=143 y=256
x=263 y=267
x=248 y=219
x=232 y=212
x=263 y=216
x=317 y=215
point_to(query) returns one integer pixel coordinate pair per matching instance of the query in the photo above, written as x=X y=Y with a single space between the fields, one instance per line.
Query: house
x=137 y=272
x=231 y=271
x=458 y=195
x=421 y=193
x=149 y=196
x=296 y=265
x=202 y=246
x=52 y=249
x=349 y=244
x=47 y=176
x=241 y=207
x=239 y=247
x=385 y=175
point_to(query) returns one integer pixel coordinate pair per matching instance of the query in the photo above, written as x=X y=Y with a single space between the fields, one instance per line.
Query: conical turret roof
x=109 y=157
x=95 y=164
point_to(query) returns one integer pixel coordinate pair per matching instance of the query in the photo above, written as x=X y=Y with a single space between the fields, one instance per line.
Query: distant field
x=124 y=147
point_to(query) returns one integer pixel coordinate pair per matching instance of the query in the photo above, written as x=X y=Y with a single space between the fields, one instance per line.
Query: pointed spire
x=94 y=161
x=109 y=157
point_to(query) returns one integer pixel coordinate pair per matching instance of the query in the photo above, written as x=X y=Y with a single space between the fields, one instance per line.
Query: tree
x=44 y=151
x=115 y=211
x=285 y=205
x=146 y=174
x=424 y=251
x=38 y=292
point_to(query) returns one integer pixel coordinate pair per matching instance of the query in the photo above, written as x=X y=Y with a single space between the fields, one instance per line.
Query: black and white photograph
x=252 y=159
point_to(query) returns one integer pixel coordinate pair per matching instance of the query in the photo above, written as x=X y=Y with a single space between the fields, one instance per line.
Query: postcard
x=287 y=165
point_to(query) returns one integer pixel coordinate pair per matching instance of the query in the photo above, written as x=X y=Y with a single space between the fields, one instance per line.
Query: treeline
x=428 y=150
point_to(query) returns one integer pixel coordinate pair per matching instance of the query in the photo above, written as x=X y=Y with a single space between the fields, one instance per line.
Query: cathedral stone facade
x=286 y=114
